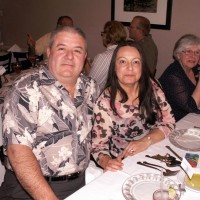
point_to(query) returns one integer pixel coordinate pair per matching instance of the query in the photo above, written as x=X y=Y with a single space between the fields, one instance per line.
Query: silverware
x=179 y=157
x=167 y=172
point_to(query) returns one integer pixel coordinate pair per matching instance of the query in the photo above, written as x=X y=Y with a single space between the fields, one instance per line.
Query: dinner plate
x=181 y=178
x=186 y=139
x=142 y=186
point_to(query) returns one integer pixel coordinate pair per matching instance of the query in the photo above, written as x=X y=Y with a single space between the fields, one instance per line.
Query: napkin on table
x=2 y=70
x=15 y=48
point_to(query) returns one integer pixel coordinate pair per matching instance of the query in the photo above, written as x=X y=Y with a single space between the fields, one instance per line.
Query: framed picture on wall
x=157 y=11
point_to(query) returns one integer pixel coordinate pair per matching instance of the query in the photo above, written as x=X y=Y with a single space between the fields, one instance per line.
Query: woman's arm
x=196 y=93
x=100 y=137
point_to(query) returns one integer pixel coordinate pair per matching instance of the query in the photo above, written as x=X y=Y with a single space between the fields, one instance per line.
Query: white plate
x=142 y=186
x=186 y=139
x=181 y=178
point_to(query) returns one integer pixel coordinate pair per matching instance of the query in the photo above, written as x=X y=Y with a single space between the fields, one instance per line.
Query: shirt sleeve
x=180 y=94
x=99 y=70
x=102 y=129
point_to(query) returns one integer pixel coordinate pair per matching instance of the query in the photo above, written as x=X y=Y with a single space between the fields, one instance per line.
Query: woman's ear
x=178 y=56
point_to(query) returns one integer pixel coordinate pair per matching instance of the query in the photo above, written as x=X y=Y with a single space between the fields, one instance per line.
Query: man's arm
x=28 y=172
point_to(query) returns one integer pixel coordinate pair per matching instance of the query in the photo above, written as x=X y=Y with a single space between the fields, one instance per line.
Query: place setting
x=150 y=186
x=186 y=139
x=162 y=186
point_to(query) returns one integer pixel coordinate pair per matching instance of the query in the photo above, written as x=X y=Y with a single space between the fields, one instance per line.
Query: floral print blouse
x=111 y=134
x=39 y=113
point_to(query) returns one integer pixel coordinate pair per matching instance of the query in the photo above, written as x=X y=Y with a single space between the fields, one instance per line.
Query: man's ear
x=48 y=52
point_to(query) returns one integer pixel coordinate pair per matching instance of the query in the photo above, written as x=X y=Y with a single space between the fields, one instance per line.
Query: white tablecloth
x=109 y=185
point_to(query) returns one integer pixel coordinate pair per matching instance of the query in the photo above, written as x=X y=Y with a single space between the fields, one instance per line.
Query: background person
x=39 y=47
x=113 y=33
x=47 y=119
x=180 y=81
x=132 y=113
x=139 y=31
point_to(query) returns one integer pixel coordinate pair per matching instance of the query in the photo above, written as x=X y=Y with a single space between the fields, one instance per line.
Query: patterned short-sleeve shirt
x=39 y=113
x=111 y=133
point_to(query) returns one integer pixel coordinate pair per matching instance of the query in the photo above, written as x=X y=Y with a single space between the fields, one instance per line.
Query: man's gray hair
x=68 y=29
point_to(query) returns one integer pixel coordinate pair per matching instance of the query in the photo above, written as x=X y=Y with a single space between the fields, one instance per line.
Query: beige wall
x=39 y=16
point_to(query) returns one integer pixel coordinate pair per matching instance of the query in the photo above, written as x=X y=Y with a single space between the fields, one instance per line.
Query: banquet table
x=108 y=186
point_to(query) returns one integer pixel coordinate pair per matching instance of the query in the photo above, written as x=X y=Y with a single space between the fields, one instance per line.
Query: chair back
x=22 y=57
x=5 y=60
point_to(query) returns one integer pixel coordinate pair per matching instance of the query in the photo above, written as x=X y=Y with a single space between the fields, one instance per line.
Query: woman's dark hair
x=148 y=104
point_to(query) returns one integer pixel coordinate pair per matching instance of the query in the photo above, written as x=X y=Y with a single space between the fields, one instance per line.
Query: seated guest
x=140 y=32
x=180 y=81
x=39 y=46
x=47 y=120
x=132 y=113
x=113 y=33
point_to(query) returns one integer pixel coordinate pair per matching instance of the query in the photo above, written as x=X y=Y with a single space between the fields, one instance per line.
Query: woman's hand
x=136 y=146
x=109 y=164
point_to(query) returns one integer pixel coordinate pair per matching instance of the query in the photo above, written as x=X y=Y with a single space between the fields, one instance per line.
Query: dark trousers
x=11 y=189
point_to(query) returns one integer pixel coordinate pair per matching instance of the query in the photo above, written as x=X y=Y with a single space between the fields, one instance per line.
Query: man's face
x=66 y=57
x=133 y=29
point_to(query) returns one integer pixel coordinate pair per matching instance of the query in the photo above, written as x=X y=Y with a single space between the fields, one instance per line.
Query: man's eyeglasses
x=189 y=52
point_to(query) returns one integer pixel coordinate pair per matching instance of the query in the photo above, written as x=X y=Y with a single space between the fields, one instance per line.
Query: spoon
x=165 y=173
x=167 y=170
x=168 y=147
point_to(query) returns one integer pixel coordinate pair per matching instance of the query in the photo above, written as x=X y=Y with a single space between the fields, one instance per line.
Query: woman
x=113 y=33
x=132 y=113
x=180 y=81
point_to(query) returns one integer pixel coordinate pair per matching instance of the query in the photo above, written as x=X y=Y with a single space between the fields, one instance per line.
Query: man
x=39 y=47
x=47 y=118
x=139 y=31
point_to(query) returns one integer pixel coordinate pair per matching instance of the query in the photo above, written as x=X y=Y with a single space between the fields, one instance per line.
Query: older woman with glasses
x=180 y=81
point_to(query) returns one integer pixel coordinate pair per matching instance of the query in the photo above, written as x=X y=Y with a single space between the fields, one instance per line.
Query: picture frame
x=161 y=19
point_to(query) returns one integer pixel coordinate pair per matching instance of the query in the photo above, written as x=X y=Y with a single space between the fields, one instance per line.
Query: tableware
x=168 y=159
x=166 y=170
x=186 y=139
x=17 y=67
x=134 y=187
x=182 y=178
x=163 y=195
x=179 y=157
x=32 y=59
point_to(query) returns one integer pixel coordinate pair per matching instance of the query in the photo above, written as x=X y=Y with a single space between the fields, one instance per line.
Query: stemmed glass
x=32 y=59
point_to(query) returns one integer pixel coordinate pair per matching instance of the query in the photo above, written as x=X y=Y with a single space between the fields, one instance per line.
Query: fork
x=167 y=172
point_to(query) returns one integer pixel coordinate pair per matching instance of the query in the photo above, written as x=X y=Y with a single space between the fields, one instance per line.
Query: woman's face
x=128 y=66
x=189 y=57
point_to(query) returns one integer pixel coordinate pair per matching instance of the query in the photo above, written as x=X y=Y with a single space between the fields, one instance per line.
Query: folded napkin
x=2 y=70
x=15 y=48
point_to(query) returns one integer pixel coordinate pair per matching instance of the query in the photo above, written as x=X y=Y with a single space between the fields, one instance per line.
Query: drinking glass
x=17 y=67
x=32 y=59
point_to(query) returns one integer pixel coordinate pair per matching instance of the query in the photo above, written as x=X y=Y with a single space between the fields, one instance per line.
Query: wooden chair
x=5 y=60
x=22 y=57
